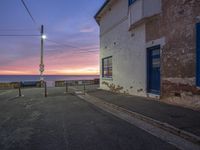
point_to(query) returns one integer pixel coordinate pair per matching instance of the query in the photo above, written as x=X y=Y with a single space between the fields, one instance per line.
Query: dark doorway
x=153 y=70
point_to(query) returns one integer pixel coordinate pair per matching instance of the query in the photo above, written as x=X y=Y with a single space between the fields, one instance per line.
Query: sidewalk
x=181 y=118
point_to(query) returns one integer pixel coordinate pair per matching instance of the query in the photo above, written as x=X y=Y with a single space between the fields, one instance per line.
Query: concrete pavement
x=63 y=121
x=181 y=118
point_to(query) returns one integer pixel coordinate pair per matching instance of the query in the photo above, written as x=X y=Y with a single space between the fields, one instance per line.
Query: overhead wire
x=32 y=18
x=67 y=45
x=55 y=42
x=89 y=51
x=61 y=44
x=25 y=29
x=18 y=35
x=28 y=11
x=80 y=50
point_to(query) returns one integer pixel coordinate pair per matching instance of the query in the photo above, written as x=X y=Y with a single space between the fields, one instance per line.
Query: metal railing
x=68 y=86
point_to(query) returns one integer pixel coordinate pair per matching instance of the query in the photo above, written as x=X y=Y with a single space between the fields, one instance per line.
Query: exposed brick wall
x=177 y=24
x=152 y=27
x=176 y=89
x=179 y=53
x=178 y=27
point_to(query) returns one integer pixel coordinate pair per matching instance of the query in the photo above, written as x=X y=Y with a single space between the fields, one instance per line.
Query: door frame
x=198 y=54
x=148 y=69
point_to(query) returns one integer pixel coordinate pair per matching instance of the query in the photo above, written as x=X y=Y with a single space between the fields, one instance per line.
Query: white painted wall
x=151 y=7
x=128 y=48
x=129 y=53
x=136 y=11
x=143 y=8
x=118 y=12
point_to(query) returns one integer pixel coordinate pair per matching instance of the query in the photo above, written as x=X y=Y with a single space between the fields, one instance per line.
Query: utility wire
x=88 y=51
x=17 y=29
x=73 y=52
x=28 y=11
x=18 y=35
x=67 y=45
x=77 y=50
x=58 y=43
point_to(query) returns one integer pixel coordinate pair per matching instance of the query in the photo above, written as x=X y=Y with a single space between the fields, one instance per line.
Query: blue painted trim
x=148 y=69
x=131 y=2
x=198 y=54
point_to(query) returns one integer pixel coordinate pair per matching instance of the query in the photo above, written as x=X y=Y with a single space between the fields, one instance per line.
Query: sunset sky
x=72 y=45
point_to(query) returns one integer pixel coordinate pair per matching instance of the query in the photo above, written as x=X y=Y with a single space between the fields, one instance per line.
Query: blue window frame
x=198 y=54
x=131 y=2
x=107 y=67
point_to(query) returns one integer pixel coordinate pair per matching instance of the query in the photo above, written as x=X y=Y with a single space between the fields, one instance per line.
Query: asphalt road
x=181 y=118
x=65 y=122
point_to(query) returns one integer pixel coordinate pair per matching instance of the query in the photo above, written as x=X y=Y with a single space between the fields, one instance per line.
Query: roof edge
x=100 y=10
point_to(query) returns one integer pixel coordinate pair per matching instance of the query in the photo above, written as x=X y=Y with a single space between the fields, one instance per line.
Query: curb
x=165 y=126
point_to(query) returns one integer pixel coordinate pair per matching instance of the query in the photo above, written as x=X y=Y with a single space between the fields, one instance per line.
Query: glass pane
x=110 y=62
x=105 y=73
x=107 y=67
x=105 y=62
x=110 y=72
x=156 y=52
x=156 y=62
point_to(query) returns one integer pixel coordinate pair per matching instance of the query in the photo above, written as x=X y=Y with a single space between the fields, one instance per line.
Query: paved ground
x=181 y=118
x=65 y=122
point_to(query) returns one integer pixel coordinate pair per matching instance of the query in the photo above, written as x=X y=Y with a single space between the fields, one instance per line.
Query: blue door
x=198 y=54
x=153 y=70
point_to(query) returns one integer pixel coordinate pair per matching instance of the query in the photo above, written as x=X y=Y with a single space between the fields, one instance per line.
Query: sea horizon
x=44 y=75
x=19 y=78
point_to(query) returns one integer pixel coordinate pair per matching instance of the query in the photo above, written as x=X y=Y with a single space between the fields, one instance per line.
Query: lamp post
x=43 y=37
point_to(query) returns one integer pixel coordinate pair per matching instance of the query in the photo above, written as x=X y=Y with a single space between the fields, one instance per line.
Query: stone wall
x=11 y=85
x=76 y=82
x=177 y=24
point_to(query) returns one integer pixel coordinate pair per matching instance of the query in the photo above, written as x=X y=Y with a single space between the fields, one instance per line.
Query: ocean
x=50 y=79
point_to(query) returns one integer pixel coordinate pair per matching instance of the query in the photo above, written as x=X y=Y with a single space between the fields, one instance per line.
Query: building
x=151 y=48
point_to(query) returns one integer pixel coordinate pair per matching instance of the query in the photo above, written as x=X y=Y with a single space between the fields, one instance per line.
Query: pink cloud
x=87 y=29
x=55 y=63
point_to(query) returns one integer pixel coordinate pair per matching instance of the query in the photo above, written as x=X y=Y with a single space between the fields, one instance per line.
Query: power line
x=18 y=35
x=28 y=11
x=55 y=50
x=17 y=29
x=67 y=45
x=60 y=44
x=77 y=51
x=88 y=51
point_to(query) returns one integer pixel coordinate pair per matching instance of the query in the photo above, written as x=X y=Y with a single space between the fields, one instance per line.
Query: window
x=131 y=2
x=107 y=67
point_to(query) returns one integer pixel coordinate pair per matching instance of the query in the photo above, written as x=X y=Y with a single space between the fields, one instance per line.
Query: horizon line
x=48 y=75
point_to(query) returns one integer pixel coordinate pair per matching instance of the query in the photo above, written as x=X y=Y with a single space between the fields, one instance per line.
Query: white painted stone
x=129 y=53
x=143 y=8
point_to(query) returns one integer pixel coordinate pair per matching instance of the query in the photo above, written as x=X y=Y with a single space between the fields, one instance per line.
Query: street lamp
x=43 y=37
